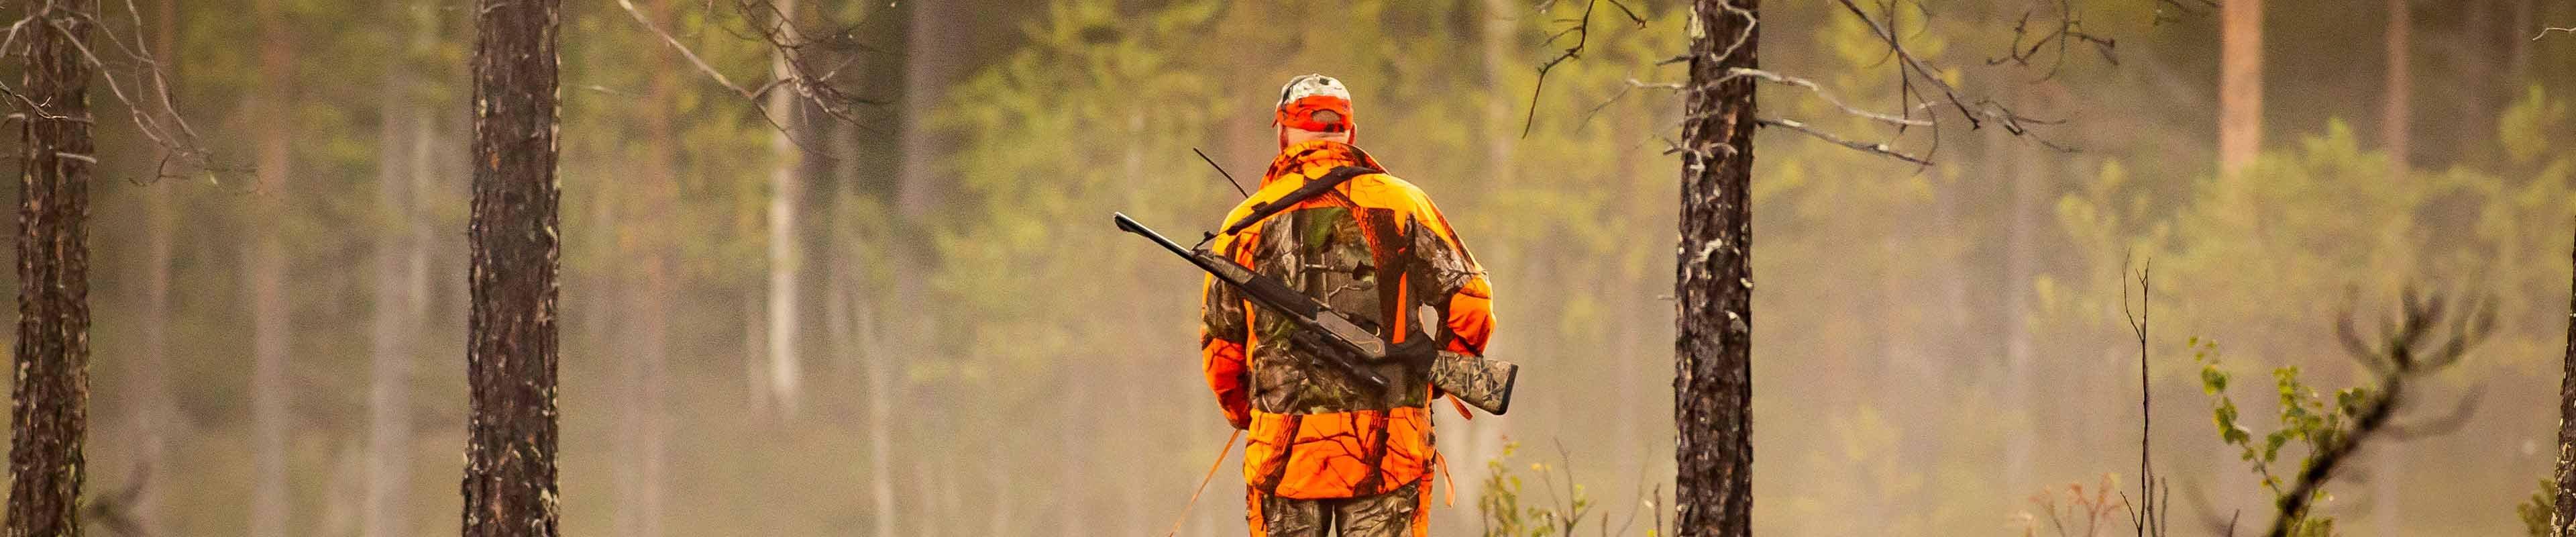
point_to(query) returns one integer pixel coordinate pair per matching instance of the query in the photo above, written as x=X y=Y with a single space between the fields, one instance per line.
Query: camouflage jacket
x=1376 y=250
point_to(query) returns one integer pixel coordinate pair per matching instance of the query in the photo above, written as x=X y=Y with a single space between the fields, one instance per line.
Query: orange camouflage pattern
x=1312 y=433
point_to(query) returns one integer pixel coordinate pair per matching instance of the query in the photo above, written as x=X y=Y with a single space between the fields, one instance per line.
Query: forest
x=789 y=267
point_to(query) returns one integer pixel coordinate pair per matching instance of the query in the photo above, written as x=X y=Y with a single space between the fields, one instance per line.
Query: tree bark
x=271 y=396
x=2240 y=84
x=50 y=404
x=509 y=483
x=786 y=255
x=2564 y=523
x=1713 y=378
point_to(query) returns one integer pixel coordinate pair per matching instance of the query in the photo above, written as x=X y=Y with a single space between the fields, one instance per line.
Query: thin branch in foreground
x=1880 y=148
x=810 y=83
x=156 y=118
x=2546 y=30
x=1820 y=92
x=1582 y=32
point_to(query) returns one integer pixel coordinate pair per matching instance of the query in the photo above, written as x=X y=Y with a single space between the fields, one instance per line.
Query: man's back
x=1376 y=250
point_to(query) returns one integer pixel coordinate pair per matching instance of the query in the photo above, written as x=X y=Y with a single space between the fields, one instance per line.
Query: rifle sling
x=1313 y=187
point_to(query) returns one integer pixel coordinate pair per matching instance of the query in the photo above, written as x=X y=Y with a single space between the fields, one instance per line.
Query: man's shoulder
x=1389 y=192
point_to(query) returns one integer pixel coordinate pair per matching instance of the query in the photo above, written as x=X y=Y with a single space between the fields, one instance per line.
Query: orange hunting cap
x=1316 y=103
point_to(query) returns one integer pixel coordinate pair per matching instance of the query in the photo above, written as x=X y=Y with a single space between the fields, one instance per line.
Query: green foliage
x=2306 y=417
x=1509 y=511
x=2537 y=512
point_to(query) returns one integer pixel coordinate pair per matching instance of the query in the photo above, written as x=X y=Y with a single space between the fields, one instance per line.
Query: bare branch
x=1877 y=148
x=2546 y=30
x=1810 y=85
x=1582 y=32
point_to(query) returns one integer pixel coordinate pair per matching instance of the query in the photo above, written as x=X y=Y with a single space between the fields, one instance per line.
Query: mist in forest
x=915 y=318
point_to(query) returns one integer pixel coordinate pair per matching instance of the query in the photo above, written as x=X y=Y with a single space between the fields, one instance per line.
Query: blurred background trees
x=975 y=352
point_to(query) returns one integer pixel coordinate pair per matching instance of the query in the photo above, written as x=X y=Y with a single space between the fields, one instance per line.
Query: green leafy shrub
x=2307 y=417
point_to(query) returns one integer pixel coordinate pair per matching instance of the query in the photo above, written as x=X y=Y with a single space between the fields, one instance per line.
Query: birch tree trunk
x=2020 y=269
x=509 y=483
x=1713 y=377
x=270 y=393
x=49 y=407
x=786 y=255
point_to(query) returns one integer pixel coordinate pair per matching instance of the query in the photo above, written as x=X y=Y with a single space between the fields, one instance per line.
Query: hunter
x=1326 y=453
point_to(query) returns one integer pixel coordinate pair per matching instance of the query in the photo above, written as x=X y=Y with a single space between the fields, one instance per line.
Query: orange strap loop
x=1203 y=481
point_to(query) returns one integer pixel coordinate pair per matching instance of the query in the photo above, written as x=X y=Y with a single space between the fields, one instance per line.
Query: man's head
x=1314 y=107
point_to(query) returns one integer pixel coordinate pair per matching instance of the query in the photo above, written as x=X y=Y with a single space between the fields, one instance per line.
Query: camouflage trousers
x=1397 y=513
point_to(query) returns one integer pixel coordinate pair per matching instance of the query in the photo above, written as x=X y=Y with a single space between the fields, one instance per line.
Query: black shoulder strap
x=1313 y=187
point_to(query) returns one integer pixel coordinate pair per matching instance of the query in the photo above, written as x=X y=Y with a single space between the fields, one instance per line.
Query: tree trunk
x=786 y=255
x=2240 y=84
x=50 y=407
x=645 y=335
x=153 y=414
x=1713 y=377
x=2020 y=271
x=398 y=299
x=509 y=484
x=2395 y=116
x=270 y=394
x=2395 y=113
x=934 y=48
x=2564 y=523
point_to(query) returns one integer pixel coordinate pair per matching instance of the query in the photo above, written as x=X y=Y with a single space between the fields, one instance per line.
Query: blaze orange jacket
x=1374 y=249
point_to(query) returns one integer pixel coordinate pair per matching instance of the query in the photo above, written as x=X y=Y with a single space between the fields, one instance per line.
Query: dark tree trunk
x=50 y=404
x=2564 y=524
x=1713 y=377
x=509 y=483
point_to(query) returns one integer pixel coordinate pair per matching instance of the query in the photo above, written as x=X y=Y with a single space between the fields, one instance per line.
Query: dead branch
x=1582 y=32
x=2067 y=32
x=2149 y=514
x=812 y=81
x=2544 y=31
x=155 y=117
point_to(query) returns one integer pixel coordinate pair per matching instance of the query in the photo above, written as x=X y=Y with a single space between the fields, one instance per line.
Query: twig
x=2546 y=30
x=1582 y=32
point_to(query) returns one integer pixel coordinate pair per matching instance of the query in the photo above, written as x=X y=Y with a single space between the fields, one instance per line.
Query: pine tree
x=509 y=483
x=50 y=405
x=1713 y=377
x=2564 y=524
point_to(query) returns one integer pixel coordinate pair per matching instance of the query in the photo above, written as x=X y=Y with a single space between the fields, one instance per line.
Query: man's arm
x=1223 y=331
x=1452 y=282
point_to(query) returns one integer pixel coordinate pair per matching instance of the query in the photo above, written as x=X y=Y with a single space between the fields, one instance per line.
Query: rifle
x=1480 y=382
